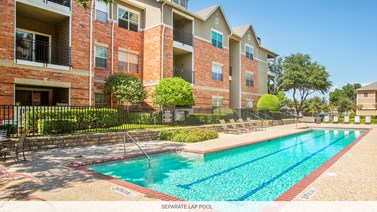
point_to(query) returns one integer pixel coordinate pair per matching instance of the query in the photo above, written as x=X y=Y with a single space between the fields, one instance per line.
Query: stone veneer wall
x=71 y=141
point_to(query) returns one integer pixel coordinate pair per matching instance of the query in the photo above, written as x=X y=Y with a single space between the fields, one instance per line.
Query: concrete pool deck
x=356 y=176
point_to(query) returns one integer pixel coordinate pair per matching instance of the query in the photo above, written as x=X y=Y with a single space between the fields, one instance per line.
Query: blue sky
x=339 y=34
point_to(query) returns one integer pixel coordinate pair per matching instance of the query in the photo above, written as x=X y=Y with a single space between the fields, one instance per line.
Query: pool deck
x=355 y=173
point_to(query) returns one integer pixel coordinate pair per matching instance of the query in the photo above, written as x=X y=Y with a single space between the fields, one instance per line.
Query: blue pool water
x=259 y=172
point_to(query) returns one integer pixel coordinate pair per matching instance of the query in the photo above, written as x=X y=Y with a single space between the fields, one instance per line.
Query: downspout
x=91 y=53
x=112 y=47
x=162 y=41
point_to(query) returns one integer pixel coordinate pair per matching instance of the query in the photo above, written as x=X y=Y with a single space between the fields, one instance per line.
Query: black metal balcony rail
x=187 y=75
x=183 y=37
x=42 y=52
x=66 y=3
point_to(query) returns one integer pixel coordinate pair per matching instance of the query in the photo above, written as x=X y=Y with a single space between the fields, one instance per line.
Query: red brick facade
x=247 y=66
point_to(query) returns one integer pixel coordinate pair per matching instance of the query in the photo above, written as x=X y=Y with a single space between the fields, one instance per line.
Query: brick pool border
x=289 y=195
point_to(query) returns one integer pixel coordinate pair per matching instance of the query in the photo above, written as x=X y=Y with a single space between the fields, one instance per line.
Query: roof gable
x=206 y=13
x=369 y=87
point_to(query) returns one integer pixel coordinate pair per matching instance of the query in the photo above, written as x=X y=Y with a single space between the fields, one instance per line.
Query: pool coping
x=289 y=195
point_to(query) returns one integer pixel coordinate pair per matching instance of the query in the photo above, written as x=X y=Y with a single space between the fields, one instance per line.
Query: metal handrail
x=133 y=140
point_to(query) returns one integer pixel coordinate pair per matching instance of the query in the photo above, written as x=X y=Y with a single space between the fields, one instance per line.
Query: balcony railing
x=183 y=37
x=187 y=75
x=42 y=52
x=66 y=3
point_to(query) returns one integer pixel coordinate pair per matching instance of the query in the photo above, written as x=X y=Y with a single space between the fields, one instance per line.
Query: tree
x=304 y=78
x=172 y=92
x=273 y=82
x=126 y=88
x=347 y=92
x=284 y=100
x=269 y=102
x=345 y=105
x=85 y=3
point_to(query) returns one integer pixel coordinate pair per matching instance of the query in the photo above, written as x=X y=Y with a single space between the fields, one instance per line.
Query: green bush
x=269 y=102
x=57 y=126
x=224 y=111
x=86 y=118
x=188 y=136
x=277 y=115
x=139 y=118
x=198 y=119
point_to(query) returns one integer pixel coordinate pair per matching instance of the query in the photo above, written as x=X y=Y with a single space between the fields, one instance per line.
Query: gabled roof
x=372 y=86
x=207 y=12
x=242 y=30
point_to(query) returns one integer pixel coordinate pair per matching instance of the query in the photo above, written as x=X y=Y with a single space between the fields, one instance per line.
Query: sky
x=339 y=34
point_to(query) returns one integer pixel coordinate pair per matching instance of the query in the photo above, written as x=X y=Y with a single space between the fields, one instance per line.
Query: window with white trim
x=217 y=101
x=217 y=39
x=128 y=19
x=128 y=62
x=217 y=72
x=100 y=57
x=249 y=50
x=101 y=11
x=100 y=100
x=249 y=79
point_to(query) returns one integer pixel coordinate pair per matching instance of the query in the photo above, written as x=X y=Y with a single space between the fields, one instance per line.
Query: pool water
x=258 y=172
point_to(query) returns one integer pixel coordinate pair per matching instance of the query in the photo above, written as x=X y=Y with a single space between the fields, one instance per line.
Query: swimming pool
x=258 y=172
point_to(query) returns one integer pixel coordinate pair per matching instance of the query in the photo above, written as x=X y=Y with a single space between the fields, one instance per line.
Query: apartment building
x=54 y=52
x=367 y=97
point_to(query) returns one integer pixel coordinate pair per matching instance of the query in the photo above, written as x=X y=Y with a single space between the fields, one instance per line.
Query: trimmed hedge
x=58 y=126
x=144 y=118
x=269 y=102
x=188 y=136
x=198 y=119
x=85 y=118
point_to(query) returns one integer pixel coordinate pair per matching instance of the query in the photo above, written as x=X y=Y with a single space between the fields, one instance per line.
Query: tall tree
x=303 y=77
x=339 y=97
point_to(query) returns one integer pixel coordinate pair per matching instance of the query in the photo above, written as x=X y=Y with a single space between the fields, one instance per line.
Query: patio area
x=356 y=175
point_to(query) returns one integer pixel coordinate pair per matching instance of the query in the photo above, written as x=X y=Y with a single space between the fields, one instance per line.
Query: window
x=101 y=57
x=249 y=79
x=217 y=72
x=365 y=94
x=128 y=20
x=249 y=103
x=128 y=62
x=100 y=100
x=217 y=101
x=217 y=39
x=182 y=3
x=249 y=51
x=101 y=11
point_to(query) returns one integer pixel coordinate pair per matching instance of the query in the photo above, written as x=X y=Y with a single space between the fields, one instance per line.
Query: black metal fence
x=52 y=120
x=42 y=52
x=183 y=37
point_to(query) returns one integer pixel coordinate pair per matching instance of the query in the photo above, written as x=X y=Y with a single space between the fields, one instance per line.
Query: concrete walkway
x=60 y=183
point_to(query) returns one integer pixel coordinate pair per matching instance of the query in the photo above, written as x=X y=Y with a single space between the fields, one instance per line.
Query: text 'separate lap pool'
x=258 y=172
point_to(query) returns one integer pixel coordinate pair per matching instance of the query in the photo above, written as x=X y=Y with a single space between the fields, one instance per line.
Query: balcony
x=66 y=3
x=38 y=52
x=183 y=37
x=187 y=75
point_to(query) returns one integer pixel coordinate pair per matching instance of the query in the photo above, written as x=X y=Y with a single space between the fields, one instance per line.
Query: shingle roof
x=207 y=11
x=241 y=30
x=372 y=86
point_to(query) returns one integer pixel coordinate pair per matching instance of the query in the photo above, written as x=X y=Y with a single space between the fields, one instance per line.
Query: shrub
x=269 y=102
x=224 y=111
x=188 y=136
x=172 y=92
x=57 y=126
x=139 y=118
x=86 y=118
x=197 y=119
